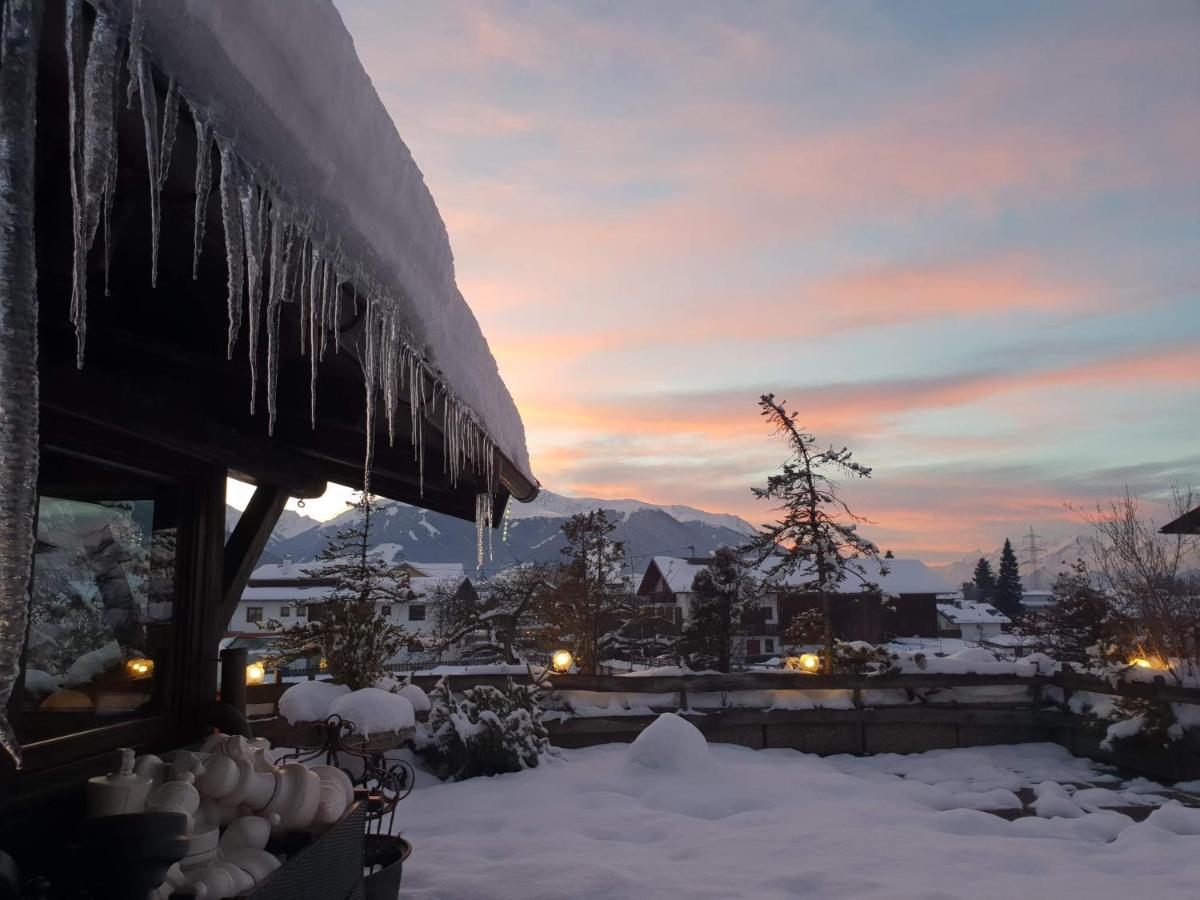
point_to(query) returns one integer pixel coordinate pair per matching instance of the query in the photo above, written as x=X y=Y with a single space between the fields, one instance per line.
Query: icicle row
x=259 y=231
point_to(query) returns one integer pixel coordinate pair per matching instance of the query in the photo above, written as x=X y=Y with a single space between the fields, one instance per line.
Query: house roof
x=904 y=576
x=1188 y=523
x=966 y=612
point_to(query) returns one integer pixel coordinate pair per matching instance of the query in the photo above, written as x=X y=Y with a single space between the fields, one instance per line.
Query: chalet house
x=904 y=606
x=291 y=593
x=970 y=620
x=237 y=270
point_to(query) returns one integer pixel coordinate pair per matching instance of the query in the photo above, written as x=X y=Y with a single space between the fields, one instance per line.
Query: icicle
x=100 y=87
x=203 y=185
x=79 y=199
x=483 y=520
x=278 y=273
x=137 y=27
x=252 y=234
x=368 y=358
x=316 y=278
x=169 y=126
x=139 y=71
x=18 y=325
x=302 y=291
x=232 y=220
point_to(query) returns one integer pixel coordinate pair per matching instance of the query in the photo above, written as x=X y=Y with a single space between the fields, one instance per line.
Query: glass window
x=254 y=613
x=769 y=645
x=386 y=609
x=416 y=613
x=100 y=632
x=768 y=614
x=285 y=612
x=301 y=611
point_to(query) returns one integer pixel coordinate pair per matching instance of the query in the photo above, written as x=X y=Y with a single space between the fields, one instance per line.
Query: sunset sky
x=961 y=238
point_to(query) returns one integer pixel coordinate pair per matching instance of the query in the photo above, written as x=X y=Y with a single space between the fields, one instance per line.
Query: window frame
x=199 y=491
x=254 y=619
x=414 y=607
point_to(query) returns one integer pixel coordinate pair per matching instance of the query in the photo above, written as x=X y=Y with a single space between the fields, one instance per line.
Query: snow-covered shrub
x=1139 y=720
x=862 y=658
x=488 y=731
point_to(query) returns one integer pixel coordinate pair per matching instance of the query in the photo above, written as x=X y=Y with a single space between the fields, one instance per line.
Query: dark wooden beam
x=246 y=544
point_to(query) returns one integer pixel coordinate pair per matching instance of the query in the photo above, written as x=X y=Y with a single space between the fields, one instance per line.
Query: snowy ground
x=728 y=822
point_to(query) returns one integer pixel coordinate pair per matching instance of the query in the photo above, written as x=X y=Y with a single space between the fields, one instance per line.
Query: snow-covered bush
x=488 y=731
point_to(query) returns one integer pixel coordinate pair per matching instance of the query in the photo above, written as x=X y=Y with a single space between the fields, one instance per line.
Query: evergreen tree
x=817 y=534
x=983 y=583
x=1007 y=596
x=591 y=602
x=725 y=592
x=889 y=555
x=348 y=628
x=1082 y=625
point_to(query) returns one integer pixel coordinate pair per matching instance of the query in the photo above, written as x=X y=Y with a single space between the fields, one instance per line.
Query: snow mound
x=1176 y=818
x=1054 y=801
x=413 y=694
x=669 y=743
x=374 y=711
x=92 y=663
x=309 y=701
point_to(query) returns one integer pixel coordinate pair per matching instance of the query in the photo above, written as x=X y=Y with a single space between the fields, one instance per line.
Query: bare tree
x=1146 y=573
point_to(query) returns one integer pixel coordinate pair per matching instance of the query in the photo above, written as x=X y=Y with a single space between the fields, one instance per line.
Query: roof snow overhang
x=1188 y=523
x=310 y=144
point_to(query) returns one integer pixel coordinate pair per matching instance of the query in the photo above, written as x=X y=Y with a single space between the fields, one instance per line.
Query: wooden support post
x=233 y=678
x=246 y=544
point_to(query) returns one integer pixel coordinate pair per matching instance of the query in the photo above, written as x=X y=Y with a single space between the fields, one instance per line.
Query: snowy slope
x=556 y=505
x=420 y=534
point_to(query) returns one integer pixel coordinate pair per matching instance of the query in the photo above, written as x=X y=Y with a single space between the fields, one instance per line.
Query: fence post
x=233 y=677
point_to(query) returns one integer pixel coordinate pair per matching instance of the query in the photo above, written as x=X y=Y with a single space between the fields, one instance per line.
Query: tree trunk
x=828 y=616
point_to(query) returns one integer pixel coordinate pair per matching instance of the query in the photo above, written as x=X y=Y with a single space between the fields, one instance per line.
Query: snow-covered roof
x=284 y=82
x=678 y=573
x=967 y=612
x=904 y=576
x=422 y=573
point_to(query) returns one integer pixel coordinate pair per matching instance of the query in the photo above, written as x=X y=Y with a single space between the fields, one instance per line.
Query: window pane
x=100 y=618
x=416 y=613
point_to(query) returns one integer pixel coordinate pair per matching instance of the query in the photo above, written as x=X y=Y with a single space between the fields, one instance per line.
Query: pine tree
x=1007 y=596
x=348 y=628
x=817 y=534
x=725 y=592
x=591 y=602
x=889 y=555
x=983 y=583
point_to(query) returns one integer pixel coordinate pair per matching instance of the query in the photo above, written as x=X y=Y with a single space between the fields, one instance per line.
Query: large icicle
x=18 y=325
x=139 y=73
x=75 y=131
x=251 y=204
x=169 y=125
x=204 y=140
x=280 y=252
x=231 y=218
x=100 y=86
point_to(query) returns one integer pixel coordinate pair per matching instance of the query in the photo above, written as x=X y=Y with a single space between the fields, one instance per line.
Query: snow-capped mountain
x=1051 y=562
x=532 y=532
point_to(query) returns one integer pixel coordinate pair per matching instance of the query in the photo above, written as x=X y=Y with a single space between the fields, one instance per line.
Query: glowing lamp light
x=255 y=673
x=323 y=664
x=1141 y=662
x=139 y=667
x=562 y=660
x=810 y=662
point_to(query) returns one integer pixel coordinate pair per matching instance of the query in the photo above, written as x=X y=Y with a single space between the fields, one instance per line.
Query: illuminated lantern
x=139 y=667
x=1141 y=662
x=810 y=662
x=562 y=660
x=255 y=673
x=323 y=664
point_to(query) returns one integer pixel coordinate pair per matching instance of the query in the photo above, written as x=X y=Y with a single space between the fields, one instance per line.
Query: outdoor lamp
x=810 y=662
x=1141 y=662
x=255 y=673
x=562 y=660
x=139 y=667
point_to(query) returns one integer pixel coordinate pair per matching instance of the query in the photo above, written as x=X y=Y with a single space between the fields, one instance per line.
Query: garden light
x=255 y=673
x=810 y=662
x=139 y=667
x=562 y=660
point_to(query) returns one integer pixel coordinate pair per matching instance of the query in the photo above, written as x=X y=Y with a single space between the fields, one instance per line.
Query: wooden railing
x=685 y=686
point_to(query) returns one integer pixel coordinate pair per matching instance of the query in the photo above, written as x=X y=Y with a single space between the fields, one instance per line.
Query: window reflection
x=100 y=618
